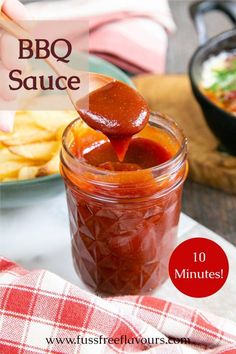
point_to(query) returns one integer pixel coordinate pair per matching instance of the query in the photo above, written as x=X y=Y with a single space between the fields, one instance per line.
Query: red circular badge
x=198 y=267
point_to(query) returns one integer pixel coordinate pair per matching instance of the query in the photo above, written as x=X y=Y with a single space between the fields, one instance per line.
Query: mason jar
x=124 y=224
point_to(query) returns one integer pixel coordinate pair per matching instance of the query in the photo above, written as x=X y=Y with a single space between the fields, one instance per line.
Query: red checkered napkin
x=42 y=313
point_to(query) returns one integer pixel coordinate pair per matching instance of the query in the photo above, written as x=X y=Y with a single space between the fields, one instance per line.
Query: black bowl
x=221 y=122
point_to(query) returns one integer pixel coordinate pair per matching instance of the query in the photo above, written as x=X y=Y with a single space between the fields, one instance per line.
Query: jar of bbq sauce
x=124 y=215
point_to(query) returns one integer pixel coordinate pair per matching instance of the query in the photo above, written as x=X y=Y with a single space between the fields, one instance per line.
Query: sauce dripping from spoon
x=116 y=110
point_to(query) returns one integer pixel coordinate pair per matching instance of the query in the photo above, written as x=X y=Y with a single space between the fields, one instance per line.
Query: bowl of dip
x=212 y=72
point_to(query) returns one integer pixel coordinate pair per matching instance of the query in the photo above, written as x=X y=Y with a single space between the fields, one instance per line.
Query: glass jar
x=124 y=224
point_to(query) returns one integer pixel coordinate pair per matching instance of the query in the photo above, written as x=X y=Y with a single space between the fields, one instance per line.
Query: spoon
x=95 y=80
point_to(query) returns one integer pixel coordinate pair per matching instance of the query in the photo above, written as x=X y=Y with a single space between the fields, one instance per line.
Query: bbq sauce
x=118 y=111
x=123 y=215
x=142 y=153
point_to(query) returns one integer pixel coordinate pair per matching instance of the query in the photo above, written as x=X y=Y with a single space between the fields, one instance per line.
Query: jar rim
x=168 y=123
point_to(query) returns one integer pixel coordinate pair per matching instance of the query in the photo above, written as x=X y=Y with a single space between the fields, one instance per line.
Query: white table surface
x=38 y=237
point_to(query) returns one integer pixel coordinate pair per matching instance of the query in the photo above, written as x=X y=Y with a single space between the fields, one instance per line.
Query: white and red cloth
x=42 y=313
x=132 y=34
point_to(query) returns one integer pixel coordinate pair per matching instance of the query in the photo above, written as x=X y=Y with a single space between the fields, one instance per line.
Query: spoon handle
x=12 y=27
x=95 y=80
x=19 y=32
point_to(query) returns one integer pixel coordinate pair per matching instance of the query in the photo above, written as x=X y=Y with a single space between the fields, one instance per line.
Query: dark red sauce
x=123 y=227
x=142 y=153
x=118 y=111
